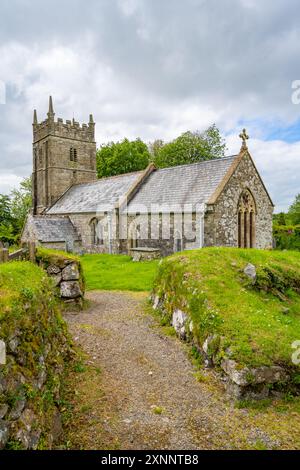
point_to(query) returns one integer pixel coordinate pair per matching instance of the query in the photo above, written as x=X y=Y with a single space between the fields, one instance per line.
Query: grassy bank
x=117 y=272
x=258 y=323
x=37 y=350
x=19 y=280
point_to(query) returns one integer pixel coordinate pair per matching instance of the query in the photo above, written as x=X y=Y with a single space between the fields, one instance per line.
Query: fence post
x=32 y=252
x=1 y=255
x=5 y=255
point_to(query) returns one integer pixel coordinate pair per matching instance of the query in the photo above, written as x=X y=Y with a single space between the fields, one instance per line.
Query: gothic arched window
x=93 y=225
x=178 y=241
x=96 y=232
x=246 y=220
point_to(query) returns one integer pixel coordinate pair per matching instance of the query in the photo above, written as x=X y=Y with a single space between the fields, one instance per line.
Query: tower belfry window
x=73 y=154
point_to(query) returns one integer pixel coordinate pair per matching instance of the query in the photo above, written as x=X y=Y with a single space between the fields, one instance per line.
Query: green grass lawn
x=258 y=322
x=118 y=272
x=19 y=278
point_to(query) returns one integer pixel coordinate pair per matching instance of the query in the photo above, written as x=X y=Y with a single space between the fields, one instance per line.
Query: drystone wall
x=66 y=273
x=241 y=382
x=34 y=351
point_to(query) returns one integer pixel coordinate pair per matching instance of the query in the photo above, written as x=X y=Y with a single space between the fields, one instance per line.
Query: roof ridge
x=107 y=178
x=198 y=163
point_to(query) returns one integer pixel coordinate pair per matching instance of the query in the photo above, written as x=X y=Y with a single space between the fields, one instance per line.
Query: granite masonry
x=220 y=202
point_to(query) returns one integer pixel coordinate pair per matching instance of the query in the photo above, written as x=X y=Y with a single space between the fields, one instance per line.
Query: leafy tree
x=155 y=147
x=122 y=157
x=5 y=208
x=192 y=147
x=280 y=218
x=13 y=211
x=21 y=202
x=6 y=227
x=294 y=211
x=7 y=233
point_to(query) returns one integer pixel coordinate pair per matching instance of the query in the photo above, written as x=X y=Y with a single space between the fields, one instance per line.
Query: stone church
x=220 y=202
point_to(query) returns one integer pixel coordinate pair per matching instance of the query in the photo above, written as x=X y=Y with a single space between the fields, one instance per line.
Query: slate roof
x=185 y=184
x=176 y=186
x=101 y=195
x=52 y=229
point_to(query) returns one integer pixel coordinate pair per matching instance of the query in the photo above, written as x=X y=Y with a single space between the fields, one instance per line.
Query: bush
x=287 y=237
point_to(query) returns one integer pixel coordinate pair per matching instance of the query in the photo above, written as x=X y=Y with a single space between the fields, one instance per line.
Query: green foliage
x=21 y=202
x=13 y=211
x=258 y=323
x=280 y=218
x=191 y=147
x=117 y=272
x=286 y=227
x=48 y=256
x=8 y=233
x=258 y=405
x=294 y=211
x=20 y=280
x=200 y=377
x=79 y=367
x=155 y=147
x=287 y=237
x=122 y=157
x=5 y=209
x=157 y=410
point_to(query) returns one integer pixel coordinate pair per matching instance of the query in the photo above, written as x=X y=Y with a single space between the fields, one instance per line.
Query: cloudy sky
x=153 y=69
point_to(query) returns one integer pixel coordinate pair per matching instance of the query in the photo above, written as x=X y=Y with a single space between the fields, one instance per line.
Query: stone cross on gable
x=244 y=136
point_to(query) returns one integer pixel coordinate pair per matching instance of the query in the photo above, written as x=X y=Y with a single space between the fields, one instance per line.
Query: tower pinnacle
x=35 y=121
x=50 y=113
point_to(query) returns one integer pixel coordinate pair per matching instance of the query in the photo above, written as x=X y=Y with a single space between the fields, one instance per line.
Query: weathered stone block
x=211 y=345
x=57 y=278
x=70 y=290
x=53 y=269
x=17 y=409
x=2 y=352
x=13 y=344
x=3 y=410
x=70 y=273
x=253 y=376
x=179 y=320
x=250 y=271
x=156 y=302
x=4 y=434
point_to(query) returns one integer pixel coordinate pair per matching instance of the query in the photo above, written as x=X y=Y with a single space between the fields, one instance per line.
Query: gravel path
x=152 y=397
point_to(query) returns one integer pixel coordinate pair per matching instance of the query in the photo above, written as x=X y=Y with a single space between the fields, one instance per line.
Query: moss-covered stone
x=251 y=323
x=38 y=348
x=65 y=271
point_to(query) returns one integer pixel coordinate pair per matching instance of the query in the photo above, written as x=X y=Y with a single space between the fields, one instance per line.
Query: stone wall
x=34 y=351
x=83 y=223
x=66 y=274
x=221 y=221
x=179 y=295
x=168 y=236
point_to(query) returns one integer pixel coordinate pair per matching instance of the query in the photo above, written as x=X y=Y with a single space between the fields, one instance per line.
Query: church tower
x=63 y=154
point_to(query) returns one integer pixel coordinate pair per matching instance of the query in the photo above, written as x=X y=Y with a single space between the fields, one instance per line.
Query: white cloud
x=9 y=182
x=279 y=165
x=153 y=69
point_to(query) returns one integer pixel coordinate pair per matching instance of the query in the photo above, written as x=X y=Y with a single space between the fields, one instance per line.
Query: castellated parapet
x=69 y=130
x=64 y=154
